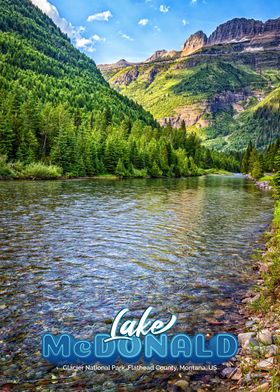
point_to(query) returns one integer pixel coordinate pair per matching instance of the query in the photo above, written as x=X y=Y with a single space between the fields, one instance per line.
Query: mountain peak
x=235 y=30
x=157 y=55
x=122 y=63
x=195 y=42
x=162 y=55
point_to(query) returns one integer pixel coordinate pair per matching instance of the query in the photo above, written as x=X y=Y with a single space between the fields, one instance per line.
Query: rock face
x=239 y=42
x=226 y=99
x=272 y=25
x=251 y=36
x=242 y=29
x=122 y=63
x=235 y=30
x=156 y=56
x=152 y=75
x=127 y=78
x=194 y=42
x=252 y=33
x=191 y=115
x=162 y=55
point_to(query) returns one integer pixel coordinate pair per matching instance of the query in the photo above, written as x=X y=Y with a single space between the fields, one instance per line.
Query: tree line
x=257 y=163
x=86 y=143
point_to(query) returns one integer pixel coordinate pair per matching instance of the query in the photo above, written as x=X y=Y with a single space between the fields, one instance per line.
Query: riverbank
x=41 y=171
x=258 y=361
x=256 y=367
x=264 y=183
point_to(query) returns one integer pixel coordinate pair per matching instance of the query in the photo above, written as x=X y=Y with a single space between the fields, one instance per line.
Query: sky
x=110 y=30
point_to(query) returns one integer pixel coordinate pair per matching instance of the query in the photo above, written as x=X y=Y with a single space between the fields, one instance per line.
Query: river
x=74 y=253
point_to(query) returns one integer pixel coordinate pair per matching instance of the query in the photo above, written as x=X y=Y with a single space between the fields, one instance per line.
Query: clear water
x=73 y=253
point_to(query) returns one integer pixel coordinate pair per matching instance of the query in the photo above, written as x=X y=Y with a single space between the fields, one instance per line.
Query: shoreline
x=257 y=366
x=208 y=172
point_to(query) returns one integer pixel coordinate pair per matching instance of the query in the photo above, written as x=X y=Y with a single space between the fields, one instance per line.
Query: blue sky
x=109 y=30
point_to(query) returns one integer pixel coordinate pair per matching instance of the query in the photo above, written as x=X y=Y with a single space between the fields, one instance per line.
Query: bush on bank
x=37 y=170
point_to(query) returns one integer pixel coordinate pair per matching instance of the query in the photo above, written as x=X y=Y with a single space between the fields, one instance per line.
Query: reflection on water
x=73 y=253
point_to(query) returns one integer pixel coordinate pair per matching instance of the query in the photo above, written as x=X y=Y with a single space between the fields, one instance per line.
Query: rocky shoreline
x=263 y=185
x=252 y=368
x=259 y=351
x=256 y=367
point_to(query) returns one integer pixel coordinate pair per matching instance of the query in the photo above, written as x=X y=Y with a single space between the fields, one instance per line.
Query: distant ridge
x=253 y=34
x=216 y=85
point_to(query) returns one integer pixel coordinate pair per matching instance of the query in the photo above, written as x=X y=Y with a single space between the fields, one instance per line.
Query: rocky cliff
x=194 y=42
x=252 y=34
x=235 y=30
x=163 y=55
x=241 y=29
x=157 y=55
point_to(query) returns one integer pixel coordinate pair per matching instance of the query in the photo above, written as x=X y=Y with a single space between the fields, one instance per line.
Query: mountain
x=213 y=84
x=194 y=42
x=248 y=30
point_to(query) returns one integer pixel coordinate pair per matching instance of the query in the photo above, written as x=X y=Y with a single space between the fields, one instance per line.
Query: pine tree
x=246 y=158
x=252 y=159
x=7 y=138
x=120 y=169
x=277 y=160
x=155 y=170
x=257 y=169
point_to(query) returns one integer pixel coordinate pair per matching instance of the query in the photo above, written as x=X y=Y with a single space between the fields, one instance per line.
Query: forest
x=257 y=163
x=59 y=116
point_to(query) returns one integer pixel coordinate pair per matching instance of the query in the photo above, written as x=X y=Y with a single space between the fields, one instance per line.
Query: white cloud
x=157 y=28
x=73 y=32
x=185 y=22
x=193 y=1
x=127 y=37
x=83 y=42
x=88 y=43
x=143 y=22
x=164 y=8
x=53 y=13
x=91 y=49
x=101 y=16
x=97 y=38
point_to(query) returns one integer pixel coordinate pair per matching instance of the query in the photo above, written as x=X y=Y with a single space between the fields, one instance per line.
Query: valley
x=218 y=86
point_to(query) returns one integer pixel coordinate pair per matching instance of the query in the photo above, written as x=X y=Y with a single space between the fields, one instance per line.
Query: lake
x=74 y=253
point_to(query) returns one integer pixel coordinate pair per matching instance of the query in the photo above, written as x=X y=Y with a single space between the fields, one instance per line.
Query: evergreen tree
x=7 y=138
x=155 y=170
x=120 y=169
x=246 y=159
x=257 y=169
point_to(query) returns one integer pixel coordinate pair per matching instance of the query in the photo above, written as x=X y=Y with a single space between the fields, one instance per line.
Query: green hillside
x=215 y=94
x=56 y=108
x=259 y=123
